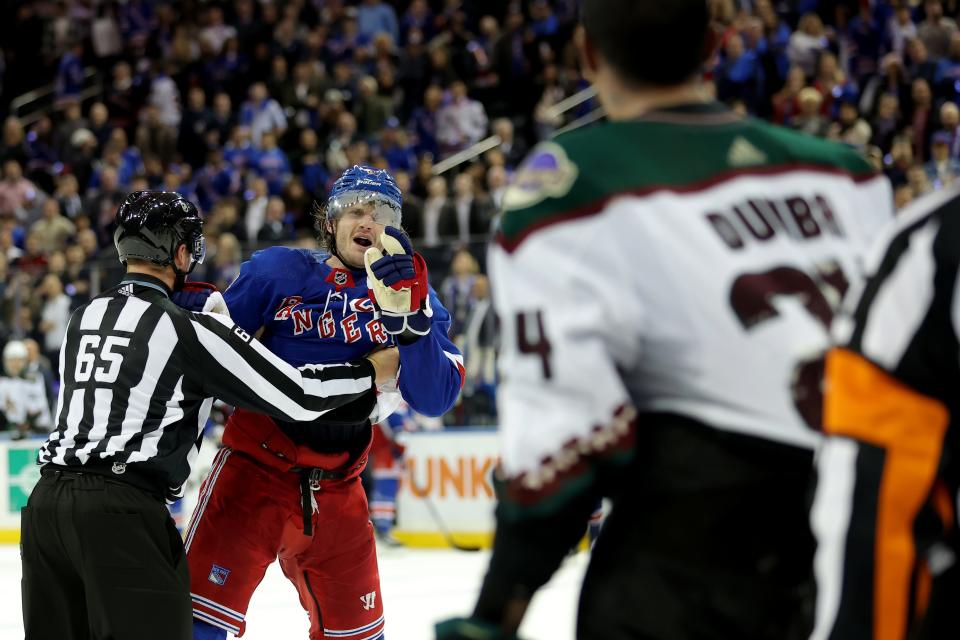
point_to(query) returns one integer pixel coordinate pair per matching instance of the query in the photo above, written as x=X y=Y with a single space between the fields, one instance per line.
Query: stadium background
x=252 y=108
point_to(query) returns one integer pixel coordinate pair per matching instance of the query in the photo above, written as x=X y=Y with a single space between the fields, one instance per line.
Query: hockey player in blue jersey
x=386 y=456
x=291 y=490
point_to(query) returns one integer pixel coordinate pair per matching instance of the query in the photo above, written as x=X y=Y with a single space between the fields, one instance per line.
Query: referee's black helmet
x=152 y=224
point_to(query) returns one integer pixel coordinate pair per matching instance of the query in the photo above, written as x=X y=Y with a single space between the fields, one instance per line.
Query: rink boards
x=18 y=473
x=452 y=470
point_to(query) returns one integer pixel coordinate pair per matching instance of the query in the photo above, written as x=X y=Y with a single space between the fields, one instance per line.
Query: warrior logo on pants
x=369 y=600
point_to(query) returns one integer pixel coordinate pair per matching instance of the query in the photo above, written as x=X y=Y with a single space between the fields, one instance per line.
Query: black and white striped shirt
x=907 y=319
x=885 y=511
x=139 y=374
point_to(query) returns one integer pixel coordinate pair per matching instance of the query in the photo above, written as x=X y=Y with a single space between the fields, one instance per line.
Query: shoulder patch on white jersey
x=546 y=173
x=744 y=154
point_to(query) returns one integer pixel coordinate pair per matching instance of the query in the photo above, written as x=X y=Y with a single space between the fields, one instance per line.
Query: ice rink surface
x=419 y=587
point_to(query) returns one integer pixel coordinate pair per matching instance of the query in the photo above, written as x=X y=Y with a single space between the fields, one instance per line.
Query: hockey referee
x=101 y=556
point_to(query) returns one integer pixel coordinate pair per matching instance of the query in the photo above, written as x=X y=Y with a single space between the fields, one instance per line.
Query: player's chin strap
x=343 y=261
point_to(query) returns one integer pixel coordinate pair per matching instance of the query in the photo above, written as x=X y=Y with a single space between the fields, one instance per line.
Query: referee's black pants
x=102 y=560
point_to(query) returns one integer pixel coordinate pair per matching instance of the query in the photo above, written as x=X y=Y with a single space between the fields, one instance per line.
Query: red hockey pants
x=249 y=514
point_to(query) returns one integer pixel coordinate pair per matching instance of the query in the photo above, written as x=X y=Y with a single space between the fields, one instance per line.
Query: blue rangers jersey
x=314 y=313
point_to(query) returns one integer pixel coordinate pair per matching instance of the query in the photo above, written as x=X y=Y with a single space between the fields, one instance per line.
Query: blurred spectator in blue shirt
x=262 y=114
x=417 y=16
x=456 y=289
x=543 y=22
x=238 y=150
x=69 y=81
x=776 y=35
x=942 y=169
x=865 y=39
x=946 y=80
x=217 y=179
x=271 y=164
x=307 y=162
x=395 y=149
x=423 y=122
x=137 y=19
x=739 y=75
x=226 y=71
x=43 y=161
x=342 y=45
x=178 y=178
x=376 y=16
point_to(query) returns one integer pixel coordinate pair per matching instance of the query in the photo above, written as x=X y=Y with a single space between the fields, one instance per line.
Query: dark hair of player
x=650 y=42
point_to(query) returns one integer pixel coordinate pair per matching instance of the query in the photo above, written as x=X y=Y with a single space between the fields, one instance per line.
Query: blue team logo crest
x=546 y=173
x=218 y=575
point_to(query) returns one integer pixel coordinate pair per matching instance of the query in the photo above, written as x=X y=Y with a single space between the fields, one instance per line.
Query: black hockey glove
x=470 y=629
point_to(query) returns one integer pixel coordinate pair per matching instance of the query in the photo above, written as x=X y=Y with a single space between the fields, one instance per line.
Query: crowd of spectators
x=881 y=76
x=252 y=108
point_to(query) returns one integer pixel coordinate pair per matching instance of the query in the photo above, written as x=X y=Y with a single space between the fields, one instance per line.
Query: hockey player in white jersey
x=665 y=282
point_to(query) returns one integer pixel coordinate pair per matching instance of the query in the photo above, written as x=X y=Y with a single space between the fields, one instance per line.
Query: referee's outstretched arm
x=235 y=367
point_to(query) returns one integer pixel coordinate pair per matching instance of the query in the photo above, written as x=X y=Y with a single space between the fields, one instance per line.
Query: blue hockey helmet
x=364 y=185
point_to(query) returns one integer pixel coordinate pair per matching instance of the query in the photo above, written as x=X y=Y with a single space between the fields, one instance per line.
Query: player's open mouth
x=363 y=242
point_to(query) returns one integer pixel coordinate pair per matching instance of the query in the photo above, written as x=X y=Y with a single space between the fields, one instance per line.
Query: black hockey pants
x=102 y=560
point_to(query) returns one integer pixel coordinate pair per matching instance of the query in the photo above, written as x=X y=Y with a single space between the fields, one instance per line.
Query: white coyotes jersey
x=709 y=300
